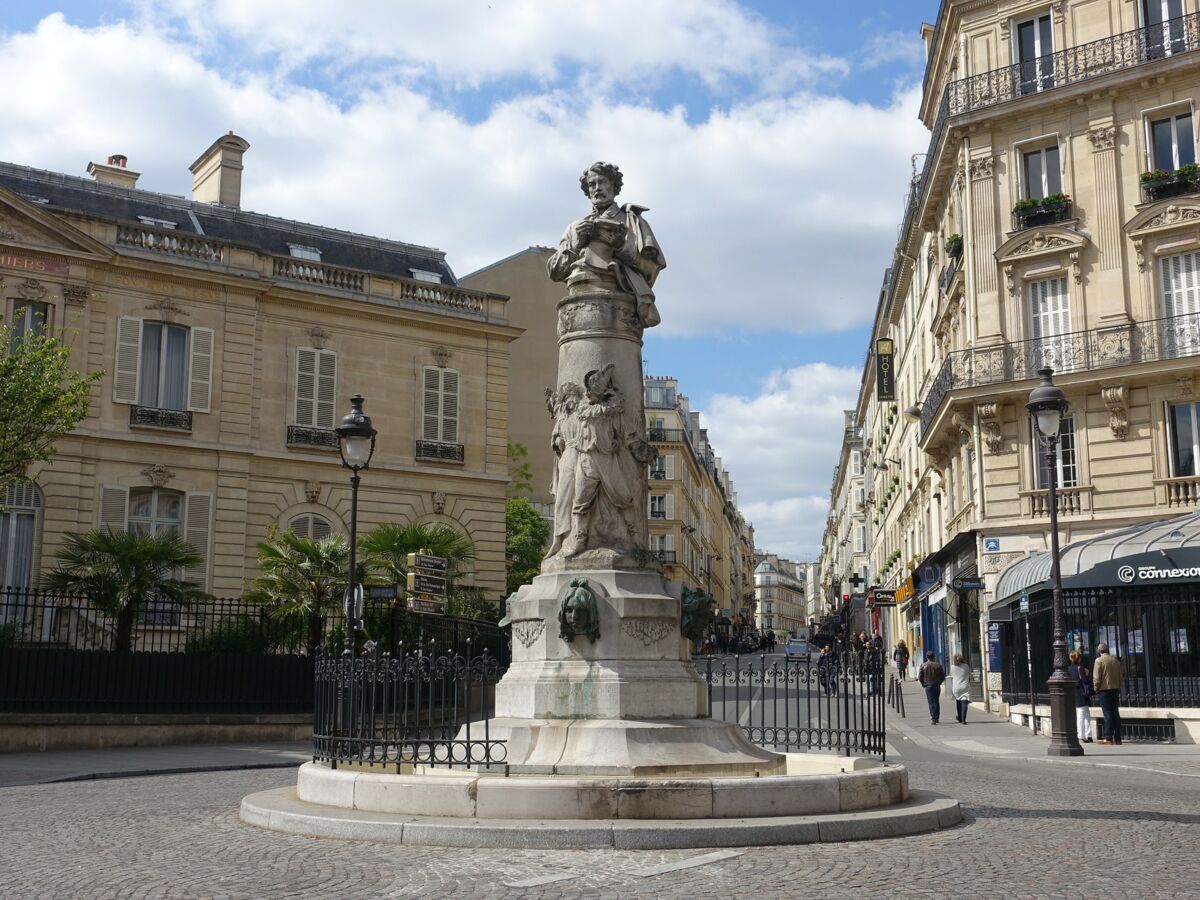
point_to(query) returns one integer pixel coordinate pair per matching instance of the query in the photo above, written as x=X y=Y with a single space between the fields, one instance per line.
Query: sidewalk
x=123 y=762
x=987 y=735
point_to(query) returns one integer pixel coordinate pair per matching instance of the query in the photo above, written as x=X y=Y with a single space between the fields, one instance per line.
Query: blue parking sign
x=991 y=545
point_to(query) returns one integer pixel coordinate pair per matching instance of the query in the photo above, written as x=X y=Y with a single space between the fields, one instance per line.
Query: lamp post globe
x=1047 y=405
x=356 y=443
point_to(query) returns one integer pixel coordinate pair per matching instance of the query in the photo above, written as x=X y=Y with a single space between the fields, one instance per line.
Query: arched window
x=18 y=525
x=155 y=511
x=310 y=525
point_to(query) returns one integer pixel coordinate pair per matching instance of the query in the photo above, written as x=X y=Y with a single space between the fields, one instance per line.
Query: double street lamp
x=1047 y=405
x=356 y=443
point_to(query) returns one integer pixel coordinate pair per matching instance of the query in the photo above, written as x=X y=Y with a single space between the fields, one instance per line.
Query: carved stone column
x=988 y=314
x=1108 y=280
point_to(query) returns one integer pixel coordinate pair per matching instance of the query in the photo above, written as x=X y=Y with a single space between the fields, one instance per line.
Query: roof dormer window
x=425 y=275
x=156 y=223
x=303 y=251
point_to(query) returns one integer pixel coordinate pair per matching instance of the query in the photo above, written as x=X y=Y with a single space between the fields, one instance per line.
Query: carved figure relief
x=32 y=290
x=158 y=475
x=1103 y=137
x=578 y=613
x=1118 y=409
x=981 y=168
x=1040 y=242
x=439 y=502
x=1172 y=215
x=312 y=491
x=318 y=336
x=76 y=294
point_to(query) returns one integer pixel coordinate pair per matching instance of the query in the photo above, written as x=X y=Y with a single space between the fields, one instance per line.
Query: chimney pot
x=118 y=159
x=217 y=173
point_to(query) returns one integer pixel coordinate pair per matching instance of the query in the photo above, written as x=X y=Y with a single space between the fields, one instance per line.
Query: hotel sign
x=885 y=369
x=33 y=266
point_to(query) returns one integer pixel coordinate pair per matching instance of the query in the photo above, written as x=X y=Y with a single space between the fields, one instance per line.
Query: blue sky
x=771 y=141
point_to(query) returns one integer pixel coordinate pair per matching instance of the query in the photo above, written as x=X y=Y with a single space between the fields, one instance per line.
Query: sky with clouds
x=771 y=141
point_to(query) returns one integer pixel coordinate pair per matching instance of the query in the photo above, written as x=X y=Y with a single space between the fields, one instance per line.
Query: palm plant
x=118 y=571
x=304 y=579
x=389 y=545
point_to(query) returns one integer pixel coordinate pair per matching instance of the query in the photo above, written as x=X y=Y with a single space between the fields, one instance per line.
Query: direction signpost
x=426 y=582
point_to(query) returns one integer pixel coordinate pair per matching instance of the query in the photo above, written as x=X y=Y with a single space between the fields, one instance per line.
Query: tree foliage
x=121 y=570
x=42 y=399
x=520 y=475
x=526 y=534
x=389 y=546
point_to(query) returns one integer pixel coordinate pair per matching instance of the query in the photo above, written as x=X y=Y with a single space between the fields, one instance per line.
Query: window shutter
x=306 y=385
x=114 y=508
x=449 y=406
x=326 y=393
x=431 y=404
x=669 y=466
x=129 y=352
x=670 y=506
x=300 y=526
x=200 y=370
x=195 y=532
x=320 y=528
x=670 y=542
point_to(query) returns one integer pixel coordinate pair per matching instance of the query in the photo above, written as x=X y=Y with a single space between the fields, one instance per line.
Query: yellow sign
x=906 y=591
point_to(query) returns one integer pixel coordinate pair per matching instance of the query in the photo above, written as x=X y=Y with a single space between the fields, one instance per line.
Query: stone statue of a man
x=611 y=247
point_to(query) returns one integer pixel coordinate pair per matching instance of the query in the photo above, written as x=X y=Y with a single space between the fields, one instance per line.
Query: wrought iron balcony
x=948 y=272
x=1176 y=184
x=1115 y=53
x=152 y=417
x=439 y=451
x=304 y=436
x=1173 y=337
x=666 y=435
x=1042 y=214
x=664 y=556
x=658 y=514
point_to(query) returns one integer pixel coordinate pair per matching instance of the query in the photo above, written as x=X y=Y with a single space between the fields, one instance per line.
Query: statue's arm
x=574 y=239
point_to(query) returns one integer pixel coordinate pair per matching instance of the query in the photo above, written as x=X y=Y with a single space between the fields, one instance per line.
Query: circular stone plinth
x=281 y=810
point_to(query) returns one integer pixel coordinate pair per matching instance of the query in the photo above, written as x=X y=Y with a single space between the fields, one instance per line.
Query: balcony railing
x=1044 y=214
x=304 y=436
x=1071 y=501
x=1055 y=70
x=1176 y=184
x=1174 y=337
x=664 y=556
x=312 y=272
x=1183 y=491
x=152 y=417
x=443 y=295
x=439 y=451
x=171 y=243
x=948 y=272
x=658 y=514
x=666 y=435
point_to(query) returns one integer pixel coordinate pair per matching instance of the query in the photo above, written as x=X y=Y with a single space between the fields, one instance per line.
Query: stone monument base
x=658 y=747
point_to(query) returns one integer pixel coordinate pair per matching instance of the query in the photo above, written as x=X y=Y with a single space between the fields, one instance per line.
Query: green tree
x=303 y=579
x=42 y=399
x=520 y=475
x=389 y=546
x=526 y=534
x=120 y=570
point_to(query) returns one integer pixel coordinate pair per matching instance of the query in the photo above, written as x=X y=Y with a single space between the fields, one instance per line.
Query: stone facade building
x=845 y=543
x=780 y=595
x=231 y=342
x=1053 y=222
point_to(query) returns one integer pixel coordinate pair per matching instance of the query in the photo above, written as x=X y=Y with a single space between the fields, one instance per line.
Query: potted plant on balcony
x=954 y=245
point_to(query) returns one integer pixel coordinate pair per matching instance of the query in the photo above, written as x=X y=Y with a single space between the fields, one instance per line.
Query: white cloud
x=780 y=447
x=778 y=212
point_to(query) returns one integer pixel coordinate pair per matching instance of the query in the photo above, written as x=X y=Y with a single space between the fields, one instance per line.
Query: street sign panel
x=420 y=583
x=417 y=604
x=426 y=563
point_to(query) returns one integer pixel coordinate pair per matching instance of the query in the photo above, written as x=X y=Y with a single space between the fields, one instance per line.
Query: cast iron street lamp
x=1047 y=405
x=356 y=443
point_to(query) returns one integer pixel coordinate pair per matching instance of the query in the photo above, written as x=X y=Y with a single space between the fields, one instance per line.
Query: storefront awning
x=1163 y=552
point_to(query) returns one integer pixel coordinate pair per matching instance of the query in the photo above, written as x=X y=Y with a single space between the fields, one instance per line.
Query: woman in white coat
x=959 y=685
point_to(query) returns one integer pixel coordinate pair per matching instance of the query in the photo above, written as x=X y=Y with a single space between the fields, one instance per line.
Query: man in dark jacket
x=931 y=675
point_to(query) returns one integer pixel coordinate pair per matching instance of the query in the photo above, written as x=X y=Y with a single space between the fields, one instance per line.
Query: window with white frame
x=426 y=276
x=1179 y=279
x=18 y=527
x=310 y=525
x=856 y=462
x=28 y=318
x=658 y=506
x=1066 y=467
x=1040 y=173
x=1034 y=46
x=1163 y=21
x=316 y=387
x=860 y=539
x=860 y=497
x=1050 y=321
x=162 y=365
x=439 y=421
x=155 y=511
x=1183 y=426
x=303 y=251
x=162 y=377
x=1172 y=143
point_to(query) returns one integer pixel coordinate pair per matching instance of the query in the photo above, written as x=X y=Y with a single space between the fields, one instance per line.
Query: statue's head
x=577 y=612
x=590 y=182
x=599 y=384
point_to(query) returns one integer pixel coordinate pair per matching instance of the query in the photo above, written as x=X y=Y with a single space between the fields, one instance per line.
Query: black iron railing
x=664 y=556
x=409 y=709
x=439 y=451
x=1172 y=337
x=1042 y=214
x=304 y=436
x=1176 y=184
x=667 y=435
x=1055 y=70
x=948 y=272
x=831 y=702
x=176 y=419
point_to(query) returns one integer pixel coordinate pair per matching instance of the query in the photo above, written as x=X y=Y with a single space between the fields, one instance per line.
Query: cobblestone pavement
x=1031 y=831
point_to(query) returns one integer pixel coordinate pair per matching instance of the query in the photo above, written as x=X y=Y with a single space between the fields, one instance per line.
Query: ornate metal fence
x=832 y=702
x=389 y=712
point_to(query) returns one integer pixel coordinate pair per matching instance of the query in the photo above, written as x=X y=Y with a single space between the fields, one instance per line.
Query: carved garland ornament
x=989 y=423
x=32 y=290
x=529 y=631
x=1118 y=409
x=648 y=631
x=158 y=475
x=76 y=294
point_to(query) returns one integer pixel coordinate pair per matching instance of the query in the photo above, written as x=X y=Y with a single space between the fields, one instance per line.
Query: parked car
x=797 y=648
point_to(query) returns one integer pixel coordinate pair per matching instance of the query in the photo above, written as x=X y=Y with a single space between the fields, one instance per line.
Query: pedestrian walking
x=1083 y=696
x=960 y=688
x=1107 y=675
x=827 y=670
x=931 y=675
x=900 y=657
